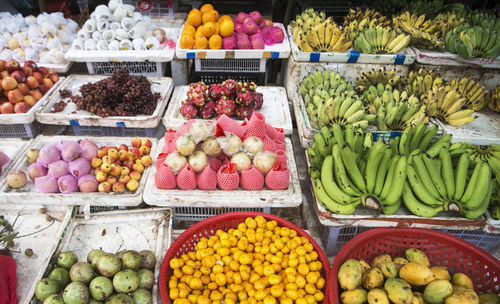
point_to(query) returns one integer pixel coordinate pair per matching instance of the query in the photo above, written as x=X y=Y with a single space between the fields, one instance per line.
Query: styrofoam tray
x=43 y=242
x=406 y=55
x=56 y=67
x=112 y=231
x=275 y=108
x=29 y=117
x=443 y=57
x=71 y=116
x=484 y=130
x=163 y=55
x=290 y=197
x=30 y=195
x=13 y=147
x=279 y=50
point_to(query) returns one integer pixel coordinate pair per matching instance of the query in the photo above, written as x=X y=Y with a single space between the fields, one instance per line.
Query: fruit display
x=23 y=86
x=119 y=26
x=43 y=39
x=357 y=20
x=234 y=99
x=257 y=261
x=125 y=277
x=494 y=101
x=118 y=95
x=205 y=29
x=425 y=33
x=405 y=279
x=223 y=155
x=117 y=169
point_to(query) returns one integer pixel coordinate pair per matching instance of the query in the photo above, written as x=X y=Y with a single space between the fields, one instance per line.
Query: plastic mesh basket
x=112 y=131
x=442 y=250
x=230 y=65
x=18 y=130
x=143 y=68
x=188 y=239
x=486 y=241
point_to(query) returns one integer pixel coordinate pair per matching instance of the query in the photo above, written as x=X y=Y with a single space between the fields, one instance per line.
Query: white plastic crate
x=112 y=131
x=201 y=213
x=19 y=130
x=334 y=238
x=486 y=241
x=142 y=68
x=230 y=65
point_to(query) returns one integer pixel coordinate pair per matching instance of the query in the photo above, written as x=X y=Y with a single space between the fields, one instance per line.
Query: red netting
x=256 y=126
x=161 y=158
x=207 y=179
x=165 y=178
x=169 y=147
x=275 y=133
x=229 y=125
x=441 y=248
x=269 y=144
x=251 y=179
x=169 y=135
x=227 y=181
x=206 y=228
x=184 y=128
x=280 y=145
x=281 y=156
x=186 y=179
x=278 y=179
x=215 y=164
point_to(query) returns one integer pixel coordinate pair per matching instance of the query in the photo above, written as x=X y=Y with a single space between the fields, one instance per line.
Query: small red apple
x=54 y=77
x=6 y=108
x=123 y=155
x=27 y=71
x=123 y=147
x=135 y=175
x=124 y=179
x=32 y=82
x=9 y=83
x=146 y=142
x=31 y=64
x=144 y=150
x=112 y=179
x=38 y=76
x=102 y=151
x=21 y=107
x=29 y=100
x=104 y=187
x=136 y=142
x=2 y=65
x=4 y=74
x=15 y=96
x=44 y=71
x=18 y=76
x=12 y=66
x=125 y=170
x=36 y=94
x=23 y=88
x=129 y=164
x=43 y=89
x=136 y=152
x=118 y=187
x=47 y=82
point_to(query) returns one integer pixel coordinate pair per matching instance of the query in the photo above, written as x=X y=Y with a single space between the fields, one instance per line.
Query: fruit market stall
x=238 y=100
x=88 y=102
x=125 y=247
x=70 y=170
x=37 y=231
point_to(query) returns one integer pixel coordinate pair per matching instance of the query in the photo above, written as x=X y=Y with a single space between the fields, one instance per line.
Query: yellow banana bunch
x=376 y=76
x=447 y=21
x=446 y=104
x=422 y=81
x=380 y=40
x=424 y=33
x=357 y=20
x=476 y=95
x=494 y=103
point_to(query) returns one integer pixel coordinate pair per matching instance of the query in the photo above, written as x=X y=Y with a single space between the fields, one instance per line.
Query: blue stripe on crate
x=314 y=57
x=120 y=124
x=74 y=123
x=353 y=57
x=275 y=55
x=400 y=59
x=190 y=55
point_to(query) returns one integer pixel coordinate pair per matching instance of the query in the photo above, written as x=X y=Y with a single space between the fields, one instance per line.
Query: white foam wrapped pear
x=198 y=161
x=242 y=161
x=176 y=161
x=264 y=161
x=253 y=145
x=211 y=147
x=230 y=144
x=185 y=145
x=200 y=130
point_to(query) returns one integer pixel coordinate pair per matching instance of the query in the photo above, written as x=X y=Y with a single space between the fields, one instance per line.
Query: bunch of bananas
x=424 y=33
x=429 y=8
x=473 y=41
x=376 y=76
x=422 y=81
x=494 y=102
x=485 y=20
x=312 y=32
x=475 y=94
x=380 y=40
x=449 y=20
x=358 y=20
x=330 y=99
x=395 y=113
x=446 y=104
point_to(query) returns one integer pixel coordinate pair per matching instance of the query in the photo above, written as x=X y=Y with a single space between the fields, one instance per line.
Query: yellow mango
x=350 y=274
x=416 y=274
x=462 y=296
x=419 y=296
x=373 y=278
x=436 y=291
x=377 y=296
x=365 y=265
x=414 y=255
x=461 y=279
x=400 y=260
x=441 y=273
x=383 y=258
x=389 y=269
x=398 y=291
x=485 y=298
x=355 y=296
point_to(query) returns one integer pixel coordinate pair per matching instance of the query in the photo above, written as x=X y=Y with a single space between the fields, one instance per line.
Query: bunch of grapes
x=118 y=95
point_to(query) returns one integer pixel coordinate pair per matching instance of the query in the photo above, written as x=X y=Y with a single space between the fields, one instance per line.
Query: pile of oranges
x=204 y=28
x=257 y=263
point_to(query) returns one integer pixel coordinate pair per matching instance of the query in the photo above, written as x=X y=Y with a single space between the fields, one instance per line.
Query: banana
x=483 y=206
x=428 y=137
x=417 y=136
x=447 y=173
x=416 y=207
x=398 y=182
x=460 y=121
x=352 y=169
x=331 y=204
x=483 y=180
x=372 y=164
x=338 y=134
x=343 y=181
x=404 y=144
x=418 y=188
x=382 y=172
x=435 y=175
x=391 y=172
x=424 y=176
x=460 y=176
x=345 y=105
x=437 y=146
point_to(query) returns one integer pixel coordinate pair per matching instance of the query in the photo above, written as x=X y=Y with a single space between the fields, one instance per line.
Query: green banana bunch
x=485 y=20
x=422 y=81
x=358 y=20
x=424 y=33
x=449 y=20
x=495 y=200
x=473 y=41
x=476 y=95
x=330 y=99
x=376 y=76
x=380 y=40
x=418 y=139
x=446 y=104
x=494 y=101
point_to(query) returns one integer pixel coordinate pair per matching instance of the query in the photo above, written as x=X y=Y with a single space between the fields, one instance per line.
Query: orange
x=194 y=18
x=225 y=17
x=226 y=28
x=215 y=43
x=187 y=42
x=209 y=29
x=206 y=7
x=211 y=15
x=190 y=30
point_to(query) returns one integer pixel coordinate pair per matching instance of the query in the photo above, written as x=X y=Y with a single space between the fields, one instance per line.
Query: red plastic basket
x=206 y=228
x=441 y=248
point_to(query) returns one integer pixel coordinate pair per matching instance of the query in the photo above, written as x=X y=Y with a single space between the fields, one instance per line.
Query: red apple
x=29 y=100
x=4 y=74
x=6 y=108
x=112 y=179
x=12 y=66
x=44 y=71
x=144 y=150
x=18 y=76
x=138 y=167
x=129 y=164
x=125 y=170
x=146 y=160
x=36 y=94
x=27 y=71
x=102 y=152
x=104 y=187
x=31 y=64
x=123 y=155
x=38 y=76
x=146 y=142
x=15 y=96
x=32 y=82
x=116 y=170
x=9 y=83
x=136 y=142
x=124 y=179
x=136 y=152
x=135 y=175
x=54 y=77
x=118 y=187
x=123 y=147
x=24 y=88
x=21 y=107
x=47 y=82
x=43 y=89
x=2 y=65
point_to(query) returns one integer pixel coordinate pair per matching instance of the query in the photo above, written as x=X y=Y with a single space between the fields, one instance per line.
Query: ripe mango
x=355 y=296
x=441 y=273
x=436 y=291
x=377 y=296
x=419 y=296
x=416 y=274
x=373 y=278
x=350 y=274
x=415 y=255
x=485 y=298
x=398 y=291
x=461 y=279
x=462 y=296
x=383 y=258
x=400 y=260
x=390 y=269
x=365 y=265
